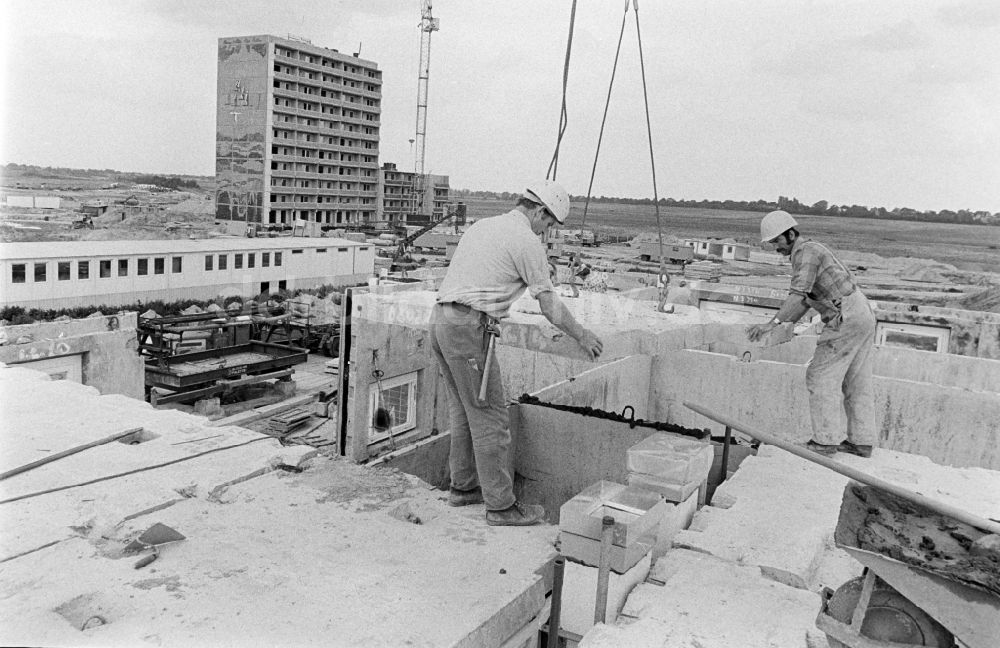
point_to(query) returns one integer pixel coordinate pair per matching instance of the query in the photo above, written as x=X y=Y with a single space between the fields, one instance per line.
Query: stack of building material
x=703 y=270
x=670 y=464
x=638 y=514
x=288 y=420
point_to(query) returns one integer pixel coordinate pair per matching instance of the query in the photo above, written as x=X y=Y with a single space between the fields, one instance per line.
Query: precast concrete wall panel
x=610 y=387
x=950 y=425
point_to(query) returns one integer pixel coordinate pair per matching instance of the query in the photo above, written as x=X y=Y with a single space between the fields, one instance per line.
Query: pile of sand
x=987 y=300
x=922 y=269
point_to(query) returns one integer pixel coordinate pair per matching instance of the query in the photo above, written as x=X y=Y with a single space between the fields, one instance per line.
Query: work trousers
x=839 y=377
x=480 y=432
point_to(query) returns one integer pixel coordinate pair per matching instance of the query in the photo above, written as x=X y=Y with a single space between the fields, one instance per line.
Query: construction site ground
x=293 y=546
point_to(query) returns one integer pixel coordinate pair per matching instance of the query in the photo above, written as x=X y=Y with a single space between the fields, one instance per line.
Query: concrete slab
x=331 y=555
x=709 y=603
x=588 y=551
x=579 y=594
x=778 y=511
x=671 y=458
x=677 y=518
x=636 y=512
x=668 y=490
x=339 y=552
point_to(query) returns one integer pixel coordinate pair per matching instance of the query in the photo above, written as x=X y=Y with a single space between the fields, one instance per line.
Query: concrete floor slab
x=709 y=603
x=332 y=556
x=338 y=554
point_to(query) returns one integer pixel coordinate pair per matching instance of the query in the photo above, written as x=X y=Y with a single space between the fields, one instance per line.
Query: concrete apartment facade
x=297 y=134
x=396 y=198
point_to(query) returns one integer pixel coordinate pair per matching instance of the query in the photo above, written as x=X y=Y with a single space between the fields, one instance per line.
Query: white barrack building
x=114 y=273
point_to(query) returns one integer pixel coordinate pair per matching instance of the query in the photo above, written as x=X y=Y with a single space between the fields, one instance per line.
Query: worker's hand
x=757 y=331
x=591 y=344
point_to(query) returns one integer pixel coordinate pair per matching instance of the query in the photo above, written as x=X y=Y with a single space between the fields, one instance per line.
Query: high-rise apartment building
x=297 y=134
x=399 y=205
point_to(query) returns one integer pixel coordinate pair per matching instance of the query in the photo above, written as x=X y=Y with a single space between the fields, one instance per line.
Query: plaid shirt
x=818 y=276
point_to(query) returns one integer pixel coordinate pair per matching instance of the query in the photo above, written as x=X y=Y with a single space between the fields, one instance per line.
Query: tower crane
x=428 y=25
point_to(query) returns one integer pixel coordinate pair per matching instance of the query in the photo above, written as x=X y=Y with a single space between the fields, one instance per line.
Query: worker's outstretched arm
x=794 y=307
x=557 y=313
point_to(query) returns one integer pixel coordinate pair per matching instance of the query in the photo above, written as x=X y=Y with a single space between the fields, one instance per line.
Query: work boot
x=854 y=449
x=822 y=448
x=516 y=515
x=465 y=498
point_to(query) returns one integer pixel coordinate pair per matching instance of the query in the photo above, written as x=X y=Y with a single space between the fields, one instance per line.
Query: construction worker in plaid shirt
x=839 y=377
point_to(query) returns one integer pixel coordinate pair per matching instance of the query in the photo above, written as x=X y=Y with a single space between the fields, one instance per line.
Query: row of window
x=107 y=268
x=19 y=271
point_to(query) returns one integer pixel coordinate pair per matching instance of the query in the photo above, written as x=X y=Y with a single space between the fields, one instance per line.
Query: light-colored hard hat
x=775 y=224
x=552 y=195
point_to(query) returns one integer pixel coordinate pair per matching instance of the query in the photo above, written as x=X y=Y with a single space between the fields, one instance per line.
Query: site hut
x=723 y=248
x=297 y=135
x=112 y=273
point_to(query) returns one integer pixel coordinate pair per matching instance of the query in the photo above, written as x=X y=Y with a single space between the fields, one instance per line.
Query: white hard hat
x=550 y=194
x=775 y=224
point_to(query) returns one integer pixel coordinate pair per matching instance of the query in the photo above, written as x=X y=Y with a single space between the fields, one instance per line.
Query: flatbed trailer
x=193 y=376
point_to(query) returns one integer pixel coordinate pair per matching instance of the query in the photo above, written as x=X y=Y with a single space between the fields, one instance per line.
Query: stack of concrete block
x=638 y=514
x=672 y=465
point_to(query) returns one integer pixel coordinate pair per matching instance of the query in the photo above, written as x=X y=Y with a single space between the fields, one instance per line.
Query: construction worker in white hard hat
x=839 y=377
x=497 y=259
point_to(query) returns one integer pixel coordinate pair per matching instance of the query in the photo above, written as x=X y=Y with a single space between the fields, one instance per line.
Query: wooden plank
x=71 y=451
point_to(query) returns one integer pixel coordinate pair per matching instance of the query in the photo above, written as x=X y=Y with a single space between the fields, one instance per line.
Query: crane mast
x=428 y=24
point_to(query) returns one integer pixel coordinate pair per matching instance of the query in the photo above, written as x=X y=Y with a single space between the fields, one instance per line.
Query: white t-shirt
x=496 y=260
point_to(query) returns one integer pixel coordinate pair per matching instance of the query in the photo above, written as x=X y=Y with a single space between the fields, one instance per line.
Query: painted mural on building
x=240 y=129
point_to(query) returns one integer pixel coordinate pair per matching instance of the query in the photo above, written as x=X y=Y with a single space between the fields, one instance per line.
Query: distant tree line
x=792 y=205
x=168 y=181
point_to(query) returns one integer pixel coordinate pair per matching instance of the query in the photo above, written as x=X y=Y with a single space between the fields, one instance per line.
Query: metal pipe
x=971 y=519
x=555 y=608
x=604 y=569
x=725 y=454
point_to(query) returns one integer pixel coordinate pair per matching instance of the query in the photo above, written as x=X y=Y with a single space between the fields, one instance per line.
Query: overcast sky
x=878 y=103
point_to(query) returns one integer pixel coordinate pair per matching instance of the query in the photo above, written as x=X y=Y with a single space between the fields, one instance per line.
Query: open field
x=967 y=247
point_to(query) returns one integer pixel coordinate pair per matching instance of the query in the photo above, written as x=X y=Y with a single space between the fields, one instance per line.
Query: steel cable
x=649 y=132
x=563 y=115
x=604 y=118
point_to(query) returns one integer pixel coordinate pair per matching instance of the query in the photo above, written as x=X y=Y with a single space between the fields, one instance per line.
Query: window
x=320 y=250
x=913 y=336
x=277 y=258
x=398 y=397
x=158 y=265
x=223 y=262
x=237 y=261
x=142 y=267
x=40 y=271
x=83 y=270
x=105 y=268
x=208 y=261
x=265 y=259
x=341 y=249
x=251 y=259
x=17 y=273
x=176 y=264
x=282 y=285
x=122 y=267
x=64 y=271
x=296 y=251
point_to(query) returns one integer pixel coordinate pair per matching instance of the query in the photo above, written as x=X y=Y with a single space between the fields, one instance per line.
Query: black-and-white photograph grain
x=499 y=324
